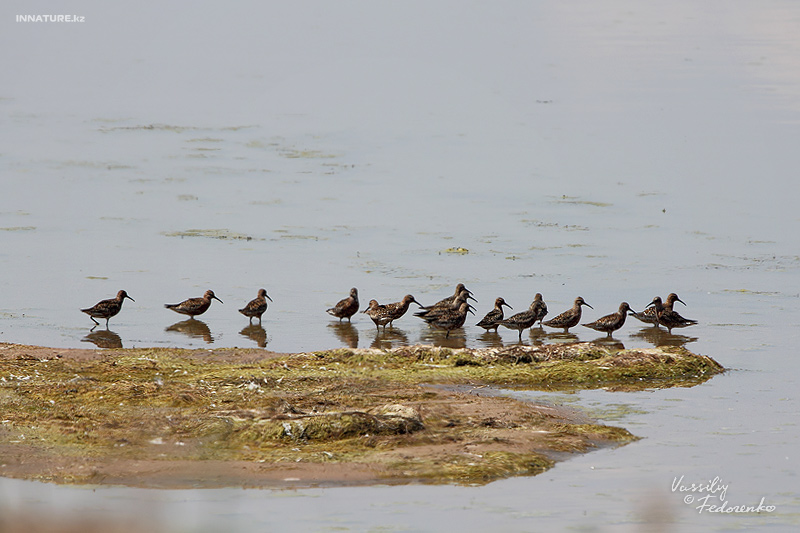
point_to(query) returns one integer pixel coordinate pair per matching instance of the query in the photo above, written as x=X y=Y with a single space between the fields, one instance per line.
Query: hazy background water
x=615 y=150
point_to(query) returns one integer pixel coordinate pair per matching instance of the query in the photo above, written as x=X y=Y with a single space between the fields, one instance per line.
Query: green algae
x=209 y=234
x=570 y=366
x=337 y=406
x=570 y=200
x=475 y=468
x=293 y=153
x=458 y=250
x=170 y=128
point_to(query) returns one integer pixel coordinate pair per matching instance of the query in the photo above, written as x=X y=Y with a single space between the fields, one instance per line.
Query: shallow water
x=610 y=150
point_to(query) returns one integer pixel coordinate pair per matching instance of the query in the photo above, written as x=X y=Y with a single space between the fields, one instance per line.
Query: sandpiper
x=452 y=319
x=429 y=315
x=495 y=316
x=194 y=306
x=568 y=318
x=345 y=308
x=650 y=316
x=669 y=318
x=426 y=313
x=398 y=309
x=525 y=319
x=107 y=308
x=542 y=308
x=447 y=302
x=256 y=308
x=611 y=323
x=378 y=313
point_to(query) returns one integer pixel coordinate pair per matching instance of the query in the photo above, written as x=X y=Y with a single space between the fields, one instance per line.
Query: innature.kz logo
x=50 y=18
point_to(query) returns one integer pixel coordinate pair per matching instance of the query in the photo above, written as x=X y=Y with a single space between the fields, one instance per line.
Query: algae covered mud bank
x=233 y=417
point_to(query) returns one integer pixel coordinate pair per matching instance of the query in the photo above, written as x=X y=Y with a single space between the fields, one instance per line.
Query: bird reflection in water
x=193 y=328
x=561 y=338
x=490 y=339
x=456 y=340
x=609 y=343
x=257 y=333
x=661 y=337
x=346 y=333
x=103 y=338
x=537 y=336
x=390 y=338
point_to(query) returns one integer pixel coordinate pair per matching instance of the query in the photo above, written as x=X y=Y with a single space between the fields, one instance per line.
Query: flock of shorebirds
x=448 y=314
x=192 y=307
x=451 y=313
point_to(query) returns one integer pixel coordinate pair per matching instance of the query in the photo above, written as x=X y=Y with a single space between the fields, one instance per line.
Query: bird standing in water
x=525 y=319
x=256 y=308
x=568 y=318
x=669 y=318
x=107 y=308
x=345 y=308
x=494 y=317
x=194 y=306
x=611 y=323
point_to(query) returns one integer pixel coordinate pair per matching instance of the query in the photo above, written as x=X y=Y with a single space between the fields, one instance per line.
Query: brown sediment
x=246 y=417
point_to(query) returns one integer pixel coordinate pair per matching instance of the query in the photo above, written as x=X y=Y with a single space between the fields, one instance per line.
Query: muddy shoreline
x=174 y=418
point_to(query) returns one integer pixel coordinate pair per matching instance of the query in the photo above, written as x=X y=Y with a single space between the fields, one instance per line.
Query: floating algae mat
x=235 y=417
x=210 y=234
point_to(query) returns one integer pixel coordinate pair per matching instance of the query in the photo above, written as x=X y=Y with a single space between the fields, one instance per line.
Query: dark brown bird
x=347 y=307
x=256 y=308
x=650 y=316
x=669 y=318
x=611 y=323
x=525 y=319
x=107 y=308
x=542 y=308
x=447 y=302
x=194 y=306
x=429 y=315
x=452 y=319
x=429 y=312
x=495 y=316
x=568 y=318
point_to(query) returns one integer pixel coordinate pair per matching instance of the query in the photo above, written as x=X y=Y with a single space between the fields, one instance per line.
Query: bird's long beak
x=217 y=299
x=131 y=299
x=506 y=305
x=587 y=305
x=681 y=301
x=268 y=298
x=651 y=303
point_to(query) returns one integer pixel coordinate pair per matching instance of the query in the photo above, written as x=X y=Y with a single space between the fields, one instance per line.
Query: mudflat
x=176 y=418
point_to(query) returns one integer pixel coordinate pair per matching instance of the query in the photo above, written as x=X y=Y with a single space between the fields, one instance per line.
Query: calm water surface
x=610 y=150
